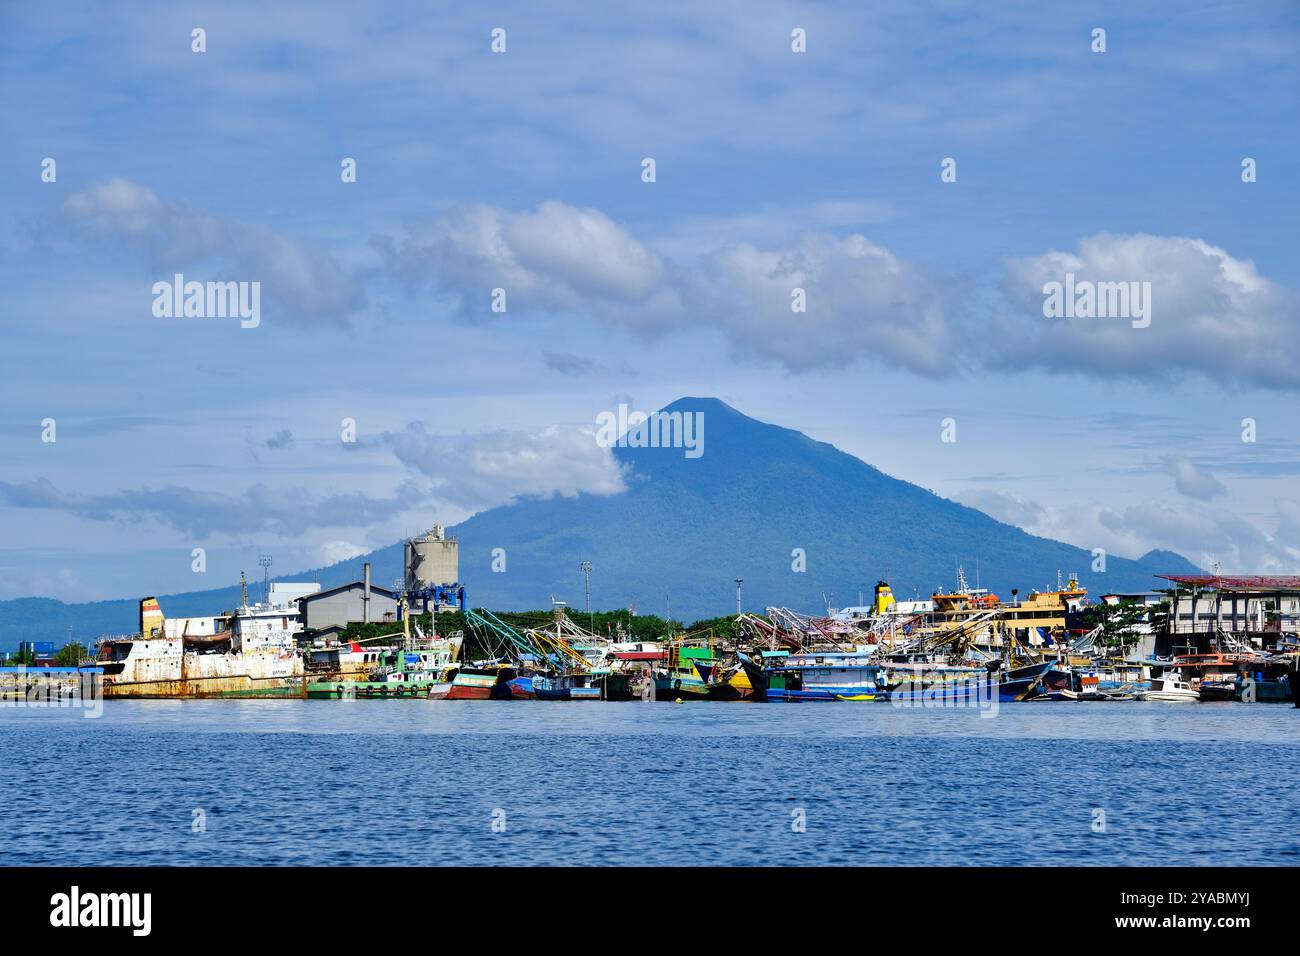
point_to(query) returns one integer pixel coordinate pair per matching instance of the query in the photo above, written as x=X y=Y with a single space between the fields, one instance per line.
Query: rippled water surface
x=422 y=782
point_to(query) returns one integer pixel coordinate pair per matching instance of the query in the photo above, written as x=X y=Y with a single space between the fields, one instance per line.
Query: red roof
x=1238 y=582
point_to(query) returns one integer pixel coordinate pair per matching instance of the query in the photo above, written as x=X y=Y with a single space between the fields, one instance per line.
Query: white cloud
x=1205 y=535
x=1190 y=480
x=1211 y=314
x=303 y=282
x=1202 y=533
x=558 y=257
x=482 y=471
x=862 y=300
x=1007 y=507
x=332 y=552
x=202 y=514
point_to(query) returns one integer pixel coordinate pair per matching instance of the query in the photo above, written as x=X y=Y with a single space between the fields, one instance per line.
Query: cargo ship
x=250 y=651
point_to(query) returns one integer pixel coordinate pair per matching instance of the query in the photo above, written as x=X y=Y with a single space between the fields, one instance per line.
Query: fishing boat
x=632 y=674
x=1171 y=688
x=1111 y=678
x=1271 y=684
x=820 y=676
x=396 y=672
x=580 y=685
x=684 y=673
x=936 y=683
x=1216 y=676
x=411 y=670
x=491 y=682
x=1041 y=679
x=742 y=679
x=349 y=661
x=521 y=684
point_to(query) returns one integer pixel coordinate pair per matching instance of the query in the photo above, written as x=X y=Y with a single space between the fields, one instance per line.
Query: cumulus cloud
x=258 y=508
x=555 y=258
x=332 y=552
x=861 y=299
x=298 y=281
x=1006 y=507
x=1211 y=314
x=1202 y=533
x=1191 y=480
x=481 y=471
x=1207 y=535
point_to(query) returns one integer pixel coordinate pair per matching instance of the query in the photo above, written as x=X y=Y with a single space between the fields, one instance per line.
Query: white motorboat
x=1172 y=689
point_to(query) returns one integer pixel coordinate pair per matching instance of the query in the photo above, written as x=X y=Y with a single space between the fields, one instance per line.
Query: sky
x=922 y=171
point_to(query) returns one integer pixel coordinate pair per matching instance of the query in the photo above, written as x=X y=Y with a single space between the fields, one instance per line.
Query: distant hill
x=686 y=528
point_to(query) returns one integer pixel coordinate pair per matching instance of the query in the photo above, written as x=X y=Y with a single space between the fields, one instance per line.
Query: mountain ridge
x=761 y=501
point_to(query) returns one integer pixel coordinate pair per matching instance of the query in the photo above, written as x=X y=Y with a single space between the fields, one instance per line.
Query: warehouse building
x=357 y=602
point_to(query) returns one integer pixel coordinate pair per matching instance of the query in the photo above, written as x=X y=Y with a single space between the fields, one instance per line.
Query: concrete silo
x=431 y=560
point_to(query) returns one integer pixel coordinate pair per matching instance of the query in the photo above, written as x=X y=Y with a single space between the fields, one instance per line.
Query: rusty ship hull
x=188 y=674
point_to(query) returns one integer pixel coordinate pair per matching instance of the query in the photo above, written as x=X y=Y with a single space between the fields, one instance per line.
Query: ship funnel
x=884 y=598
x=151 y=618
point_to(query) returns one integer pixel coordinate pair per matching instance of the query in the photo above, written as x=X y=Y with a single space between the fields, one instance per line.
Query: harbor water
x=296 y=782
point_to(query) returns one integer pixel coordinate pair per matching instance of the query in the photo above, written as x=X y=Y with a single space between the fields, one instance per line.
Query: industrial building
x=432 y=570
x=290 y=592
x=355 y=602
x=431 y=559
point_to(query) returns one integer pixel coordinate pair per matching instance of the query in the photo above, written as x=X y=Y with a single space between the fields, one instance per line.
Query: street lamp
x=738 y=583
x=585 y=568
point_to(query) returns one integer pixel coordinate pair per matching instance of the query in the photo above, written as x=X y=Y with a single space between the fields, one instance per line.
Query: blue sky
x=522 y=170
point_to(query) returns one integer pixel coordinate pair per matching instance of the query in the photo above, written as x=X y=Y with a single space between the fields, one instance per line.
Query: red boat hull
x=462 y=692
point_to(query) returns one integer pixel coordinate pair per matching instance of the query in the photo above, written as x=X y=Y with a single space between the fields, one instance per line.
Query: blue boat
x=578 y=686
x=947 y=686
x=820 y=677
x=1033 y=681
x=968 y=684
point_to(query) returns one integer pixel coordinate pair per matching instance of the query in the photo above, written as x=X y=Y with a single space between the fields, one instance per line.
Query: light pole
x=265 y=561
x=738 y=583
x=585 y=567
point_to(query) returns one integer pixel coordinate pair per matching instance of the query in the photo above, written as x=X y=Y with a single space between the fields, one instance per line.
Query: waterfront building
x=1262 y=611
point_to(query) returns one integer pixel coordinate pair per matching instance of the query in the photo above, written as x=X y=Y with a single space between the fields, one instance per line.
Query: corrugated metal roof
x=1238 y=582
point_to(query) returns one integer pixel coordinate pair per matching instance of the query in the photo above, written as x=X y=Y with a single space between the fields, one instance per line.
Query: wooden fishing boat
x=483 y=683
x=583 y=685
x=741 y=680
x=818 y=676
x=684 y=673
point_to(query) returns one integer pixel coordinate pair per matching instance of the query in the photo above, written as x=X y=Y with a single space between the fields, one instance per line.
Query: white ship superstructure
x=249 y=652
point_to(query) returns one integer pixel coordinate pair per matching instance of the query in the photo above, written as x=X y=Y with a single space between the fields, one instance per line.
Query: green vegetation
x=71 y=654
x=1121 y=623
